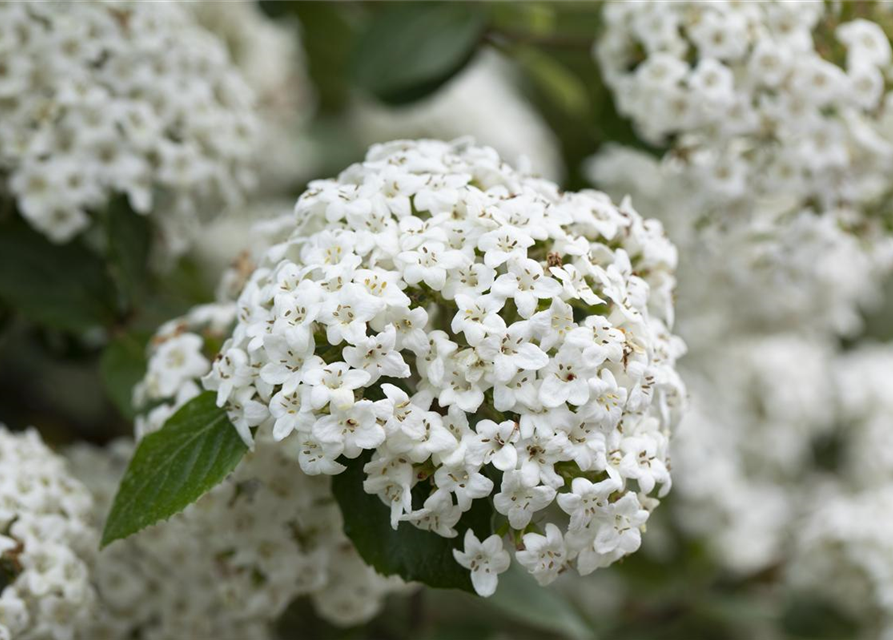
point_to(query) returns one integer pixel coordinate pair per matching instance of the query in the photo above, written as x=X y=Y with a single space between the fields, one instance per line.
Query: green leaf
x=412 y=554
x=520 y=598
x=62 y=287
x=411 y=49
x=173 y=467
x=123 y=364
x=129 y=239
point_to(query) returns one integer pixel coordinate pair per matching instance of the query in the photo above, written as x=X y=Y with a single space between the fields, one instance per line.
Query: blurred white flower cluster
x=269 y=56
x=100 y=98
x=478 y=331
x=846 y=553
x=746 y=447
x=845 y=549
x=758 y=97
x=47 y=542
x=775 y=120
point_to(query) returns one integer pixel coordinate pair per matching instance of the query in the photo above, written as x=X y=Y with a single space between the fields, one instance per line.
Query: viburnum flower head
x=475 y=334
x=104 y=98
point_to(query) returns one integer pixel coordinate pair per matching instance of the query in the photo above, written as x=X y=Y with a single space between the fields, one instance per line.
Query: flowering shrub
x=438 y=364
x=473 y=328
x=101 y=98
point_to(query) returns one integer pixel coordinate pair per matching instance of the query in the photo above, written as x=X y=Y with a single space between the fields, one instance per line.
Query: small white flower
x=642 y=463
x=465 y=481
x=469 y=280
x=587 y=500
x=352 y=429
x=429 y=264
x=398 y=412
x=333 y=384
x=564 y=379
x=553 y=324
x=477 y=318
x=286 y=409
x=316 y=457
x=485 y=560
x=287 y=365
x=230 y=371
x=501 y=245
x=377 y=356
x=438 y=514
x=345 y=315
x=391 y=478
x=512 y=352
x=526 y=284
x=495 y=443
x=293 y=317
x=246 y=412
x=544 y=556
x=177 y=360
x=519 y=500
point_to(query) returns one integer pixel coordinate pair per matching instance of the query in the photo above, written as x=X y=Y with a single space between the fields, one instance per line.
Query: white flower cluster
x=775 y=123
x=479 y=332
x=760 y=97
x=46 y=542
x=744 y=453
x=845 y=553
x=844 y=546
x=99 y=98
x=784 y=434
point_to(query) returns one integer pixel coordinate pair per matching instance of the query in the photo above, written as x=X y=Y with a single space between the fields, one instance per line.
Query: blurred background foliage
x=69 y=356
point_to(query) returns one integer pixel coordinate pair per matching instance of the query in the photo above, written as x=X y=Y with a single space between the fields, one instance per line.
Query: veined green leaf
x=173 y=467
